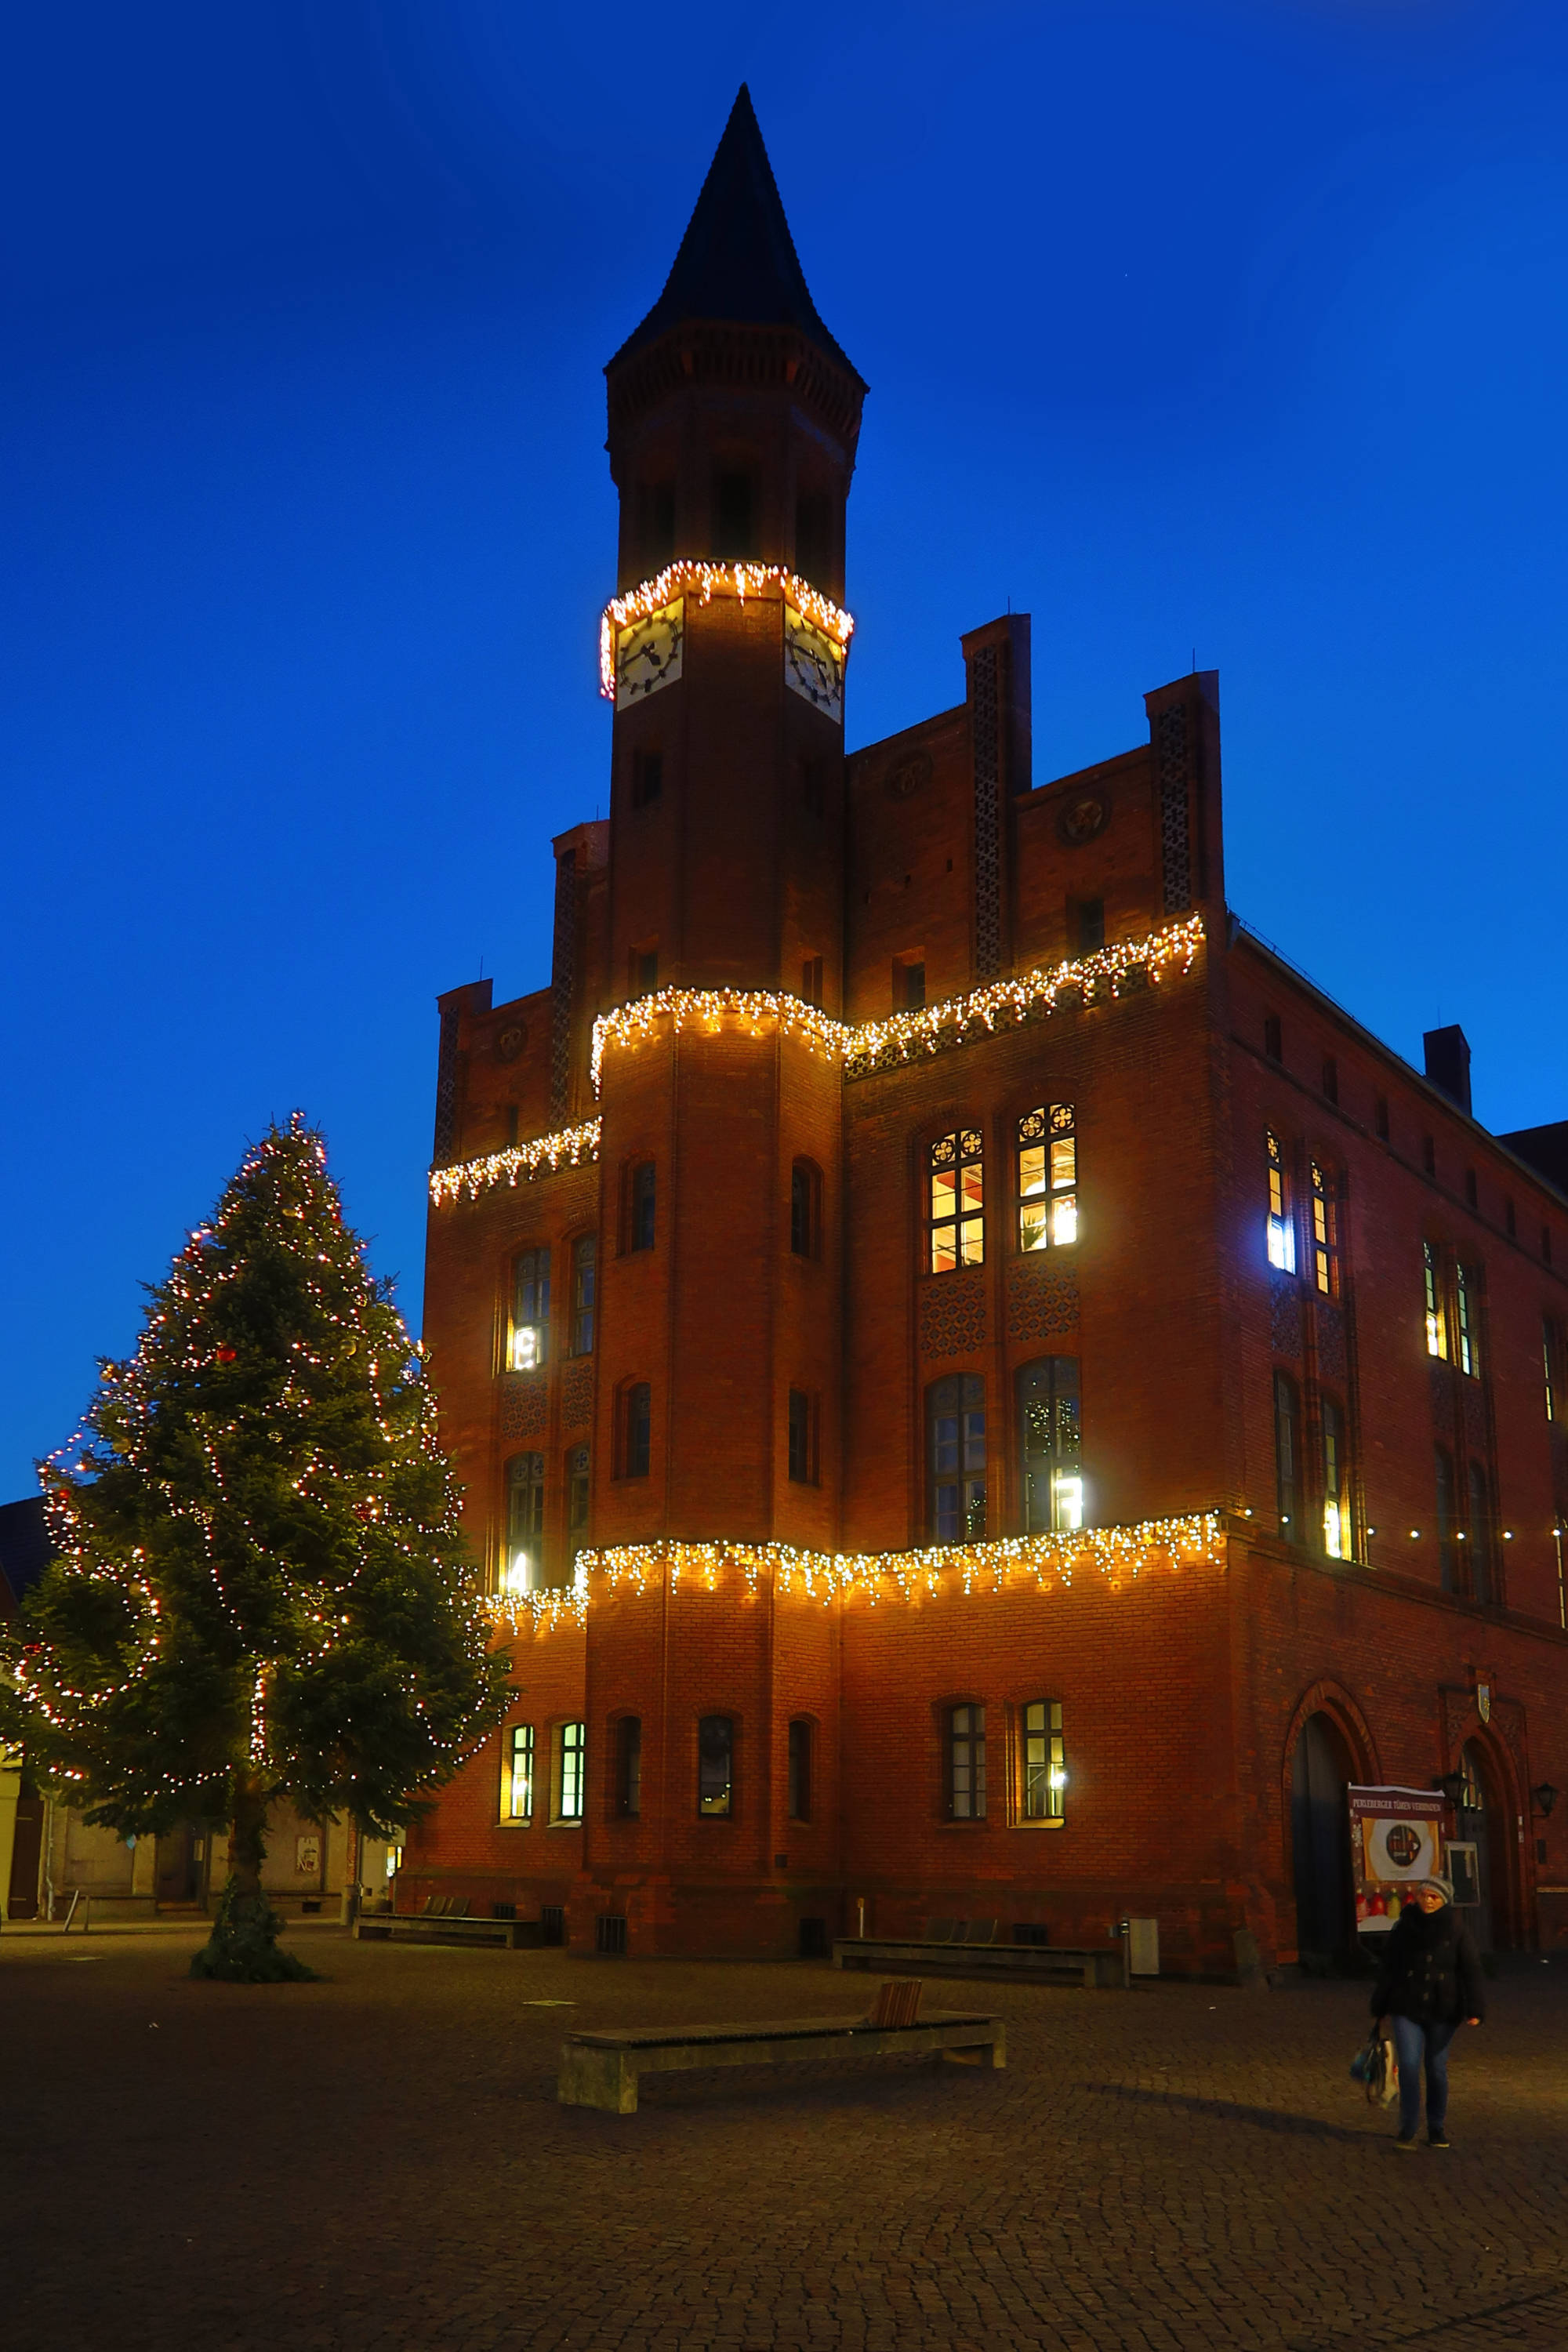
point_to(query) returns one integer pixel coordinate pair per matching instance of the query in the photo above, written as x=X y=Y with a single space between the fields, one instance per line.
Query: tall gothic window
x=1281 y=1229
x=1432 y=1285
x=966 y=1763
x=1288 y=1456
x=1325 y=1233
x=1044 y=1760
x=716 y=1767
x=955 y=1458
x=1048 y=1176
x=1050 y=1452
x=583 y=1252
x=524 y=1522
x=955 y=1201
x=530 y=1309
x=1337 y=1523
x=1466 y=1330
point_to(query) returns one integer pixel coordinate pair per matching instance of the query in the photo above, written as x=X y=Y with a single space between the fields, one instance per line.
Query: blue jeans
x=1414 y=2043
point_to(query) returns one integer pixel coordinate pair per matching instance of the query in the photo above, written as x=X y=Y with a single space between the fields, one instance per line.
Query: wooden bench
x=968 y=1955
x=602 y=2070
x=443 y=1919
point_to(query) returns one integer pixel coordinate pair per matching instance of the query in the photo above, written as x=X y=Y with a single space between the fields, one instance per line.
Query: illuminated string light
x=905 y=1037
x=569 y=1146
x=709 y=580
x=1118 y=1555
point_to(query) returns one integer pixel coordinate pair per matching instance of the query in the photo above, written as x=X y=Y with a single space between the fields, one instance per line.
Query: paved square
x=378 y=2161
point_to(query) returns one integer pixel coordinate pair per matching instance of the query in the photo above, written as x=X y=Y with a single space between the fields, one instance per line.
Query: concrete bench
x=1089 y=1966
x=602 y=2070
x=401 y=1926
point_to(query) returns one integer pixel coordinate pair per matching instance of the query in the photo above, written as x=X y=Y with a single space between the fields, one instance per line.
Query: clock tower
x=733 y=416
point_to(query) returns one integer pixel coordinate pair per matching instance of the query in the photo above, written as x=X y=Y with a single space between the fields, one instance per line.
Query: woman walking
x=1429 y=1978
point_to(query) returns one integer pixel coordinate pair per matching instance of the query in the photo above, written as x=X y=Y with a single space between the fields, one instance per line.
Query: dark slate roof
x=737 y=259
x=25 y=1547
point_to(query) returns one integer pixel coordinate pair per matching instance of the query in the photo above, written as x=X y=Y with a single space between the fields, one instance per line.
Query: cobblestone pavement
x=378 y=2161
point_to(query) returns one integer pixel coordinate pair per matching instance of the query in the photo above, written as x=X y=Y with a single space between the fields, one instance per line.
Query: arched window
x=716 y=1767
x=1338 y=1526
x=955 y=1459
x=955 y=1201
x=966 y=1763
x=525 y=1523
x=1050 y=1449
x=1281 y=1227
x=530 y=1309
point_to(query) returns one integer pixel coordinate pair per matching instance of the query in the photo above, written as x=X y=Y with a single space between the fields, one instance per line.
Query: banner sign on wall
x=1397 y=1841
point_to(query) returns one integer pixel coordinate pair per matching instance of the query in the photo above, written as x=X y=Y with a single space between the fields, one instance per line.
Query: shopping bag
x=1376 y=2068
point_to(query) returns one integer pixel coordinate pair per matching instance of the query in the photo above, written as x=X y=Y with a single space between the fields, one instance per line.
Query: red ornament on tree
x=226 y=1355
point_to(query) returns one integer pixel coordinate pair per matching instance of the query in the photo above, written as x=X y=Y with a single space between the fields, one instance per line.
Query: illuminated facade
x=981 y=1392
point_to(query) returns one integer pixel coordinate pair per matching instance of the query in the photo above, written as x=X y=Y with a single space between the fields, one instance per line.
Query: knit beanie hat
x=1440 y=1885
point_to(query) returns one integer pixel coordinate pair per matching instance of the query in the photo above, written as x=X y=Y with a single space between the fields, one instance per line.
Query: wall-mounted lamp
x=1543 y=1797
x=1453 y=1787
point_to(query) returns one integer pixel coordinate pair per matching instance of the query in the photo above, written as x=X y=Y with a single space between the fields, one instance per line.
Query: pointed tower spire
x=737 y=262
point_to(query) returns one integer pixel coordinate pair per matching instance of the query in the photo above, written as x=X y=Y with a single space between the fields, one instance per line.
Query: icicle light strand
x=709 y=580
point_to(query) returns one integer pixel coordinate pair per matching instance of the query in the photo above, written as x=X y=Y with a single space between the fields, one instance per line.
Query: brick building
x=980 y=1392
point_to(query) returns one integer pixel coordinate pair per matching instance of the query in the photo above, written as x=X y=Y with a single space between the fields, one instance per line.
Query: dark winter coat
x=1430 y=1971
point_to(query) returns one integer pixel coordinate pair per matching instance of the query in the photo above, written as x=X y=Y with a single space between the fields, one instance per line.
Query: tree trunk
x=247 y=1833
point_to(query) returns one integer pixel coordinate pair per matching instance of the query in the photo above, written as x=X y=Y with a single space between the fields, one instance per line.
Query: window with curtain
x=955 y=1458
x=1044 y=1760
x=1050 y=1445
x=955 y=1201
x=1046 y=1153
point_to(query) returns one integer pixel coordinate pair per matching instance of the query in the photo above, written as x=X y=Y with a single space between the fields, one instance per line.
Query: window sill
x=575 y=1823
x=1060 y=1824
x=515 y=1821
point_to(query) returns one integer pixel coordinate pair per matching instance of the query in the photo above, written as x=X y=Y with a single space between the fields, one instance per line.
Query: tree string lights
x=1118 y=1555
x=707 y=580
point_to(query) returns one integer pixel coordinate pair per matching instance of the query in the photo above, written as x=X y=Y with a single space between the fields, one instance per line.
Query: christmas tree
x=263 y=1593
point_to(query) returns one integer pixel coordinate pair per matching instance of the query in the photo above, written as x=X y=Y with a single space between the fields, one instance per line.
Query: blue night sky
x=1228 y=331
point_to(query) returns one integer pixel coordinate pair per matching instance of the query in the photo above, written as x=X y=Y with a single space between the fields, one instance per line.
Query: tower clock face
x=647 y=654
x=814 y=663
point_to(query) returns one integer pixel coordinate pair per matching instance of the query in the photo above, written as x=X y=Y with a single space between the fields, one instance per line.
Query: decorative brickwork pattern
x=1475 y=1408
x=1332 y=1362
x=1175 y=824
x=987 y=793
x=953 y=1314
x=523 y=1398
x=1284 y=1315
x=1042 y=1301
x=563 y=977
x=448 y=1063
x=577 y=1394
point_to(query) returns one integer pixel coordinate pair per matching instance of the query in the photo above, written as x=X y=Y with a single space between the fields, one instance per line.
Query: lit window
x=966 y=1763
x=1325 y=1235
x=583 y=1252
x=628 y=1766
x=524 y=1522
x=516 y=1773
x=955 y=1458
x=1337 y=1523
x=570 y=1757
x=1048 y=1176
x=530 y=1309
x=1282 y=1231
x=1051 y=1450
x=955 y=1191
x=643 y=1200
x=1465 y=1323
x=1437 y=1321
x=800 y=1769
x=1044 y=1761
x=715 y=1767
x=1288 y=1456
x=1547 y=1352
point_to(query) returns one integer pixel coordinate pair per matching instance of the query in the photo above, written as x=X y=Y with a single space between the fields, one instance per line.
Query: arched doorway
x=1480 y=1824
x=1319 y=1839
